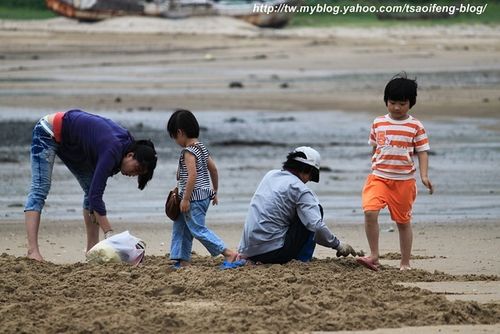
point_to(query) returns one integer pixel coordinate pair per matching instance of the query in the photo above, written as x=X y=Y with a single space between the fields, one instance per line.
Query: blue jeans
x=299 y=245
x=43 y=152
x=191 y=225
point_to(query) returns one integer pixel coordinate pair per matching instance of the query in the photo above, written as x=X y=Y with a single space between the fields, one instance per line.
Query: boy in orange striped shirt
x=395 y=137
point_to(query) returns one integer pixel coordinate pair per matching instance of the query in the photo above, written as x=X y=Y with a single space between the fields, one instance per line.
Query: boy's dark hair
x=400 y=88
x=296 y=166
x=145 y=153
x=184 y=120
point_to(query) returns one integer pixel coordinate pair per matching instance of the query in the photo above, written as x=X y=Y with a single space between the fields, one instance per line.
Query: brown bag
x=173 y=204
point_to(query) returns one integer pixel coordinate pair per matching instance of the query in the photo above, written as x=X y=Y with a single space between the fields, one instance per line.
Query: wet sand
x=59 y=64
x=140 y=75
x=247 y=144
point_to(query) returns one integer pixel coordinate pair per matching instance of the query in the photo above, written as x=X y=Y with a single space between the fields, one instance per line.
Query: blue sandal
x=232 y=265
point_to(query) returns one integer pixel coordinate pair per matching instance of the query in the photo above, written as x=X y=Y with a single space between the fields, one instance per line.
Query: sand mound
x=330 y=294
x=136 y=24
x=195 y=25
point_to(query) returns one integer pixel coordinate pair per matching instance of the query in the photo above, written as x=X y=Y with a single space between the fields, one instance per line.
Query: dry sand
x=324 y=295
x=143 y=64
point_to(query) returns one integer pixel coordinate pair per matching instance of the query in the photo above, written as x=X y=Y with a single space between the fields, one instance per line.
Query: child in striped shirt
x=196 y=170
x=395 y=137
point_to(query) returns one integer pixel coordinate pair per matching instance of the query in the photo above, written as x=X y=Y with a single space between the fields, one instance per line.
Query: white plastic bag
x=122 y=247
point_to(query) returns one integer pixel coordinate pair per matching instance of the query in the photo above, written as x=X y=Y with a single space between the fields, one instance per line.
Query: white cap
x=312 y=159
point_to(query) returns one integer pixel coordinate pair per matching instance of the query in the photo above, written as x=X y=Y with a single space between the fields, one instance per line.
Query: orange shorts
x=397 y=195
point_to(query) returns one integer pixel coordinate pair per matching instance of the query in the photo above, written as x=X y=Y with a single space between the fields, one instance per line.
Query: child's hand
x=427 y=183
x=215 y=200
x=184 y=205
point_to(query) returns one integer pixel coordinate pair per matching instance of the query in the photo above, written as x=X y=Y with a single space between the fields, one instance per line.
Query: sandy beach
x=454 y=287
x=320 y=87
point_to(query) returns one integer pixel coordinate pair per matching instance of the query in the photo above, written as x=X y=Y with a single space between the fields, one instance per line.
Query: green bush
x=34 y=4
x=24 y=10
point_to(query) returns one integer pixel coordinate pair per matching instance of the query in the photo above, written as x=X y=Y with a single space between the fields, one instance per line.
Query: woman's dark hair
x=145 y=153
x=183 y=120
x=400 y=88
x=296 y=166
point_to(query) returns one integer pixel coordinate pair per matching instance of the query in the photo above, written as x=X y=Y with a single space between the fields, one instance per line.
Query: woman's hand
x=184 y=205
x=215 y=200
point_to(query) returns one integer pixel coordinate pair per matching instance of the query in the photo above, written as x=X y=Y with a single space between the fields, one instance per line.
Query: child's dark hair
x=145 y=153
x=400 y=88
x=184 y=120
x=293 y=165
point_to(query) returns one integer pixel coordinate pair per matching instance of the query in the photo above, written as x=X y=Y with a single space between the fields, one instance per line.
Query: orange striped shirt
x=396 y=142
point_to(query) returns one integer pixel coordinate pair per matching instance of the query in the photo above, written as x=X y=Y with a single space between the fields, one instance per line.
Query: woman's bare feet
x=35 y=255
x=404 y=267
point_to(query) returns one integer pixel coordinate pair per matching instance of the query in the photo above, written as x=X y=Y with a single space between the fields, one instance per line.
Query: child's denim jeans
x=191 y=225
x=43 y=153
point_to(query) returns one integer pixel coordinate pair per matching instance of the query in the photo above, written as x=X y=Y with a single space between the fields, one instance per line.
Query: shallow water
x=246 y=144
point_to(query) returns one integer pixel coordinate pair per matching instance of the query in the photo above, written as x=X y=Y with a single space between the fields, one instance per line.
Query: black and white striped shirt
x=202 y=189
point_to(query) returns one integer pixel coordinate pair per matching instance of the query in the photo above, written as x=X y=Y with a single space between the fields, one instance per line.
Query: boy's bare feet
x=373 y=259
x=369 y=262
x=404 y=267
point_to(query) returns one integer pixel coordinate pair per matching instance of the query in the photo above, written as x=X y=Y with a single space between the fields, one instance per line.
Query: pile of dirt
x=324 y=295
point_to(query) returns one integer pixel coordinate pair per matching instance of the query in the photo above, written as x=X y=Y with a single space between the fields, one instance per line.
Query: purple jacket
x=95 y=143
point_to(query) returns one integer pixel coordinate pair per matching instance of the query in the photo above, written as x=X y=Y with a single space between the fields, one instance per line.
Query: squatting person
x=285 y=219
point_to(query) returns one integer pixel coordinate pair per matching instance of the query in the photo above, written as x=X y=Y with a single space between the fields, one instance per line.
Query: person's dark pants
x=299 y=245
